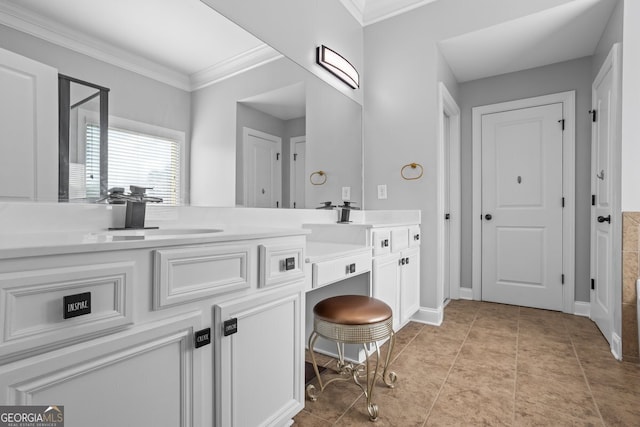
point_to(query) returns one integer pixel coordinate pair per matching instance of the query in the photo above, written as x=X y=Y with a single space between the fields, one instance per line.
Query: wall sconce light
x=338 y=66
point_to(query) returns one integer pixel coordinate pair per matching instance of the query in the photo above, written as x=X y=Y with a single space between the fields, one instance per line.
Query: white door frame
x=292 y=176
x=447 y=107
x=568 y=188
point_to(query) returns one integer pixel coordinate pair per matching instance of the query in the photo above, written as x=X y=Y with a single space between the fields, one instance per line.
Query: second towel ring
x=412 y=166
x=320 y=181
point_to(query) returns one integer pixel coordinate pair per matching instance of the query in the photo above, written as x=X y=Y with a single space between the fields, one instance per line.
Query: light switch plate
x=382 y=191
x=346 y=193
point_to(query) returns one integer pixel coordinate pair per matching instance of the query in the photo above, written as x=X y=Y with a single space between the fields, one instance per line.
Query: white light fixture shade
x=338 y=66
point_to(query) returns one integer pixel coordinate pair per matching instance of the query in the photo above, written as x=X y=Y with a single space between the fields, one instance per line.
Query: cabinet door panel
x=410 y=284
x=386 y=284
x=260 y=367
x=139 y=377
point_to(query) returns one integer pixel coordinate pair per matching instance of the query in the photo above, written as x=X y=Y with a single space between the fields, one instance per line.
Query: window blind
x=142 y=160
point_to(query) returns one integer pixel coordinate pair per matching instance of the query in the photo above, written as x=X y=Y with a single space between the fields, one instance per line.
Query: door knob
x=488 y=217
x=604 y=219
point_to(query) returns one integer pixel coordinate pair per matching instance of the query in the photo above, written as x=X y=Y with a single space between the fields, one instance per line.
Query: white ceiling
x=187 y=44
x=562 y=33
x=285 y=103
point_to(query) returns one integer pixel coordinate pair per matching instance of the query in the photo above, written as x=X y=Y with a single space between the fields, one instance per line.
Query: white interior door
x=603 y=134
x=262 y=169
x=298 y=171
x=522 y=176
x=29 y=129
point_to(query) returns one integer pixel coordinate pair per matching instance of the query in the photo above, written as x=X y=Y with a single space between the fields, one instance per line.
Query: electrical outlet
x=382 y=191
x=346 y=193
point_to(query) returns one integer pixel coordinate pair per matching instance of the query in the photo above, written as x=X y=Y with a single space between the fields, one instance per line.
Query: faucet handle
x=138 y=191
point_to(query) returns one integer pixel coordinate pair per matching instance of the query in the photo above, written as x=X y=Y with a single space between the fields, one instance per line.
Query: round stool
x=354 y=319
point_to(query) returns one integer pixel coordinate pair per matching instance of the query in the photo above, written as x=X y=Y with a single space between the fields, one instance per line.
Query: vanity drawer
x=327 y=272
x=186 y=274
x=381 y=241
x=399 y=239
x=280 y=264
x=33 y=305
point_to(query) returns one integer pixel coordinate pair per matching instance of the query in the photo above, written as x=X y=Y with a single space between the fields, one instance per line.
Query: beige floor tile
x=471 y=406
x=555 y=363
x=618 y=407
x=570 y=396
x=305 y=419
x=527 y=414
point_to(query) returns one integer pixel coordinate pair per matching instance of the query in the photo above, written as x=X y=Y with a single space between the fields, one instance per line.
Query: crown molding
x=355 y=8
x=30 y=23
x=235 y=65
x=369 y=12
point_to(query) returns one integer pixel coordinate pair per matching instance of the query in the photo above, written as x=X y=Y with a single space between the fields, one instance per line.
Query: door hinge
x=593 y=200
x=563 y=202
x=594 y=115
x=295 y=156
x=561 y=121
x=277 y=156
x=593 y=284
x=562 y=279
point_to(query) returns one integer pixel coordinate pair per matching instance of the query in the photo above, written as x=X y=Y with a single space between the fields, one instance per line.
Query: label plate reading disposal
x=76 y=305
x=203 y=337
x=230 y=327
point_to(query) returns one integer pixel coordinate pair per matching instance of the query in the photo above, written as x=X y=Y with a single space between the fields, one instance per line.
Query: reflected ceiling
x=180 y=42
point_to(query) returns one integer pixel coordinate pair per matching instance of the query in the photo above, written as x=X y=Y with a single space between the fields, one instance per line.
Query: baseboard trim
x=429 y=316
x=466 y=293
x=581 y=308
x=616 y=346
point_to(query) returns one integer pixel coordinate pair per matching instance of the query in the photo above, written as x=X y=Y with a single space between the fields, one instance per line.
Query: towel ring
x=412 y=166
x=321 y=174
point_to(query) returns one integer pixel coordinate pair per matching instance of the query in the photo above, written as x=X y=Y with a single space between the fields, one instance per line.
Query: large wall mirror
x=240 y=124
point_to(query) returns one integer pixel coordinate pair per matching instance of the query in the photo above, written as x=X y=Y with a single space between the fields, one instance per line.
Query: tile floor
x=492 y=364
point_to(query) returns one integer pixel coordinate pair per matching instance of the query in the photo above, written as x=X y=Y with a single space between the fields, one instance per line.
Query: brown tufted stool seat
x=354 y=319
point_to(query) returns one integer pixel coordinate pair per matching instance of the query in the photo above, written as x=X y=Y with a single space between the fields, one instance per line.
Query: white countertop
x=323 y=251
x=51 y=243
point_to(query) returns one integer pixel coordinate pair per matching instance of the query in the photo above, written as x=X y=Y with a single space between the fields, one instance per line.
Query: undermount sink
x=140 y=234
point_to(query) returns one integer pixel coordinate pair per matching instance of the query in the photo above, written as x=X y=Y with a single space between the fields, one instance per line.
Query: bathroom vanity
x=155 y=328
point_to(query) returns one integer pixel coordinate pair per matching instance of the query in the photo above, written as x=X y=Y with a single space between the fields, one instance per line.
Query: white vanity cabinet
x=395 y=265
x=157 y=346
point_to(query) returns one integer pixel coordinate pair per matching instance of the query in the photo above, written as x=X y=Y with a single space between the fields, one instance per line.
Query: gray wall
x=564 y=76
x=132 y=95
x=403 y=67
x=612 y=34
x=333 y=130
